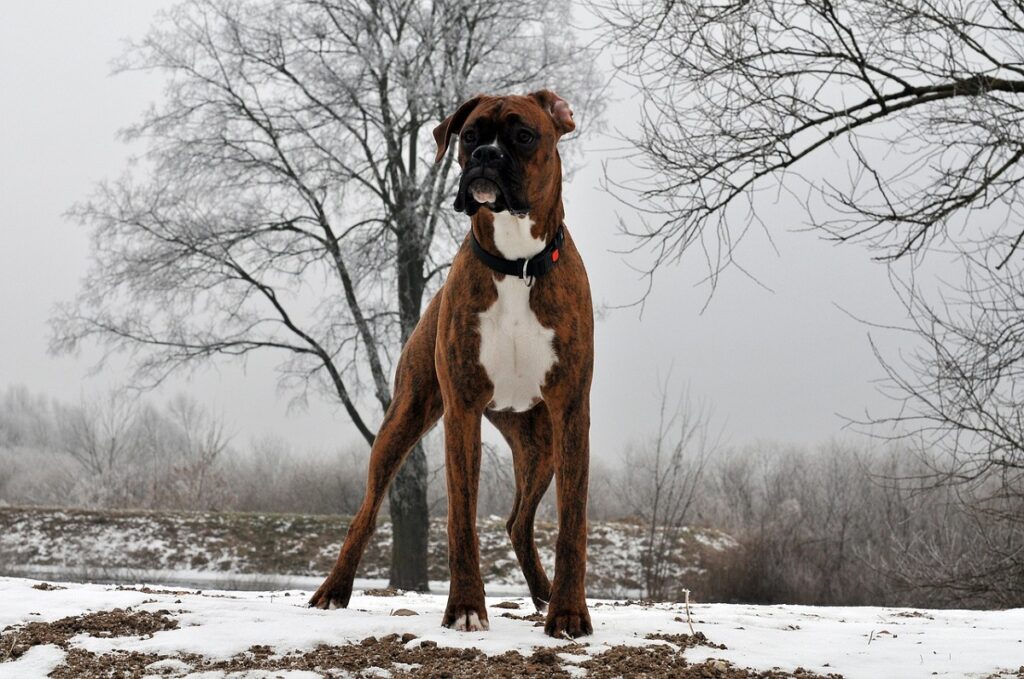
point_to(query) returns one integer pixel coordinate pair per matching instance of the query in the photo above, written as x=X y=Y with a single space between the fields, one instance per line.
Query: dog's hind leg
x=415 y=408
x=529 y=436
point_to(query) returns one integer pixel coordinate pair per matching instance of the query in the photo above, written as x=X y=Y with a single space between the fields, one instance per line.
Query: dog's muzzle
x=484 y=185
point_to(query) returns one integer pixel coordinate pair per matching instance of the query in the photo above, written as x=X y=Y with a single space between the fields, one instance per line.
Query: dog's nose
x=483 y=154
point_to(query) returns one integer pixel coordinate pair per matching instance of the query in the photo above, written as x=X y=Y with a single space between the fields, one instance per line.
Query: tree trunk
x=410 y=524
x=410 y=521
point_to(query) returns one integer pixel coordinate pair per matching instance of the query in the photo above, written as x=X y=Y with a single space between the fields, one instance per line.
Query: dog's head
x=507 y=150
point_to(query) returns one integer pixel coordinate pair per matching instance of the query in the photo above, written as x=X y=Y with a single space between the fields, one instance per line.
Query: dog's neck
x=512 y=237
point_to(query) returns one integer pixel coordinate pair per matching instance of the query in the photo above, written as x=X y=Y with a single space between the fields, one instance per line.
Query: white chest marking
x=515 y=349
x=512 y=236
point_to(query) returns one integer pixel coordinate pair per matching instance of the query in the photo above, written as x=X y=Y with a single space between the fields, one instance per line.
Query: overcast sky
x=776 y=365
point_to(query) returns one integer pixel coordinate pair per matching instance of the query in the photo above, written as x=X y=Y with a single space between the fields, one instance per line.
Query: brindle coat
x=439 y=372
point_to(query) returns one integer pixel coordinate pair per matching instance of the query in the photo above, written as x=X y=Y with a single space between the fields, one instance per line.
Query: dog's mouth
x=484 y=191
x=480 y=187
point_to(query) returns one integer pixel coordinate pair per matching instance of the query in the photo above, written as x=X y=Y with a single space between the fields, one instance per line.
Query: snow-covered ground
x=219 y=625
x=277 y=551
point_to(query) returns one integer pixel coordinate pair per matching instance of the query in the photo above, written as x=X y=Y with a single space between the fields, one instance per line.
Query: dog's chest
x=515 y=349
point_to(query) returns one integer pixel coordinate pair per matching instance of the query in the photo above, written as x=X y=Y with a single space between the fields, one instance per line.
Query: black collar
x=527 y=269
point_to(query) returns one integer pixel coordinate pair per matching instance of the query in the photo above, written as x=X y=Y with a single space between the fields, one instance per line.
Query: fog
x=782 y=357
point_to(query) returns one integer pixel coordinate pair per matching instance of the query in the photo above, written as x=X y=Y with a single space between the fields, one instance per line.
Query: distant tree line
x=839 y=524
x=122 y=452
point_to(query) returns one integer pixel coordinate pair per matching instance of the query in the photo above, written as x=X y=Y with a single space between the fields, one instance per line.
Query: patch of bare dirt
x=386 y=591
x=46 y=586
x=536 y=618
x=145 y=589
x=80 y=663
x=657 y=662
x=912 y=614
x=663 y=662
x=429 y=660
x=17 y=639
x=684 y=641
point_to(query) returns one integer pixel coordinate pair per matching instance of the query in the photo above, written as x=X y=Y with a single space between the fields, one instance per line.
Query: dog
x=508 y=337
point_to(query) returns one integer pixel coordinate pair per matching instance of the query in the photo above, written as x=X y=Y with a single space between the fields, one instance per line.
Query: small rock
x=428 y=644
x=368 y=641
x=403 y=611
x=407 y=637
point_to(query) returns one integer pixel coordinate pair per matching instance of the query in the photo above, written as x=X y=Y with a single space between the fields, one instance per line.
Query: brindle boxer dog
x=509 y=337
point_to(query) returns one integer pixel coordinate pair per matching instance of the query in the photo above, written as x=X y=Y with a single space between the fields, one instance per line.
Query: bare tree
x=661 y=479
x=107 y=440
x=101 y=435
x=921 y=100
x=961 y=405
x=25 y=418
x=201 y=440
x=289 y=201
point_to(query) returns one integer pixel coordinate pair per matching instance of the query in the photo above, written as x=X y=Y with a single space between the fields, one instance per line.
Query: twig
x=689 y=620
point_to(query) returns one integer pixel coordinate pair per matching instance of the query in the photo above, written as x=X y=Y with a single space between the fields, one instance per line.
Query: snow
x=38 y=661
x=857 y=642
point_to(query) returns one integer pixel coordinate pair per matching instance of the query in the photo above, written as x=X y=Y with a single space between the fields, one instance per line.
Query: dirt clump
x=536 y=618
x=386 y=591
x=684 y=641
x=17 y=639
x=81 y=663
x=664 y=662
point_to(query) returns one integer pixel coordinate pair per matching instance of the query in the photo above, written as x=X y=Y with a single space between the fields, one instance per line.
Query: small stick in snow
x=568 y=637
x=689 y=620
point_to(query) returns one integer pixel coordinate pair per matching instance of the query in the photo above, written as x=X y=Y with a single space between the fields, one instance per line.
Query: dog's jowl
x=509 y=337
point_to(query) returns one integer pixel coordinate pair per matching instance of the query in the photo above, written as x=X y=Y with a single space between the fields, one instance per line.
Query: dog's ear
x=453 y=125
x=557 y=108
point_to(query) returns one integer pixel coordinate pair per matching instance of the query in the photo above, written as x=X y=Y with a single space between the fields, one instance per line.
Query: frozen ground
x=216 y=634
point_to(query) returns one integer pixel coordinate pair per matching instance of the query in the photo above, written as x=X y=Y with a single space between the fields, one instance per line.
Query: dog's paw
x=568 y=623
x=331 y=595
x=466 y=619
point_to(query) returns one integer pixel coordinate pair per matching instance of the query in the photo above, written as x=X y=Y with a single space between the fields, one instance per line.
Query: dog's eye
x=524 y=136
x=469 y=137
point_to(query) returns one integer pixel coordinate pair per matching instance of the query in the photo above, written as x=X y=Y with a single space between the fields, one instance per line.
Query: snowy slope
x=853 y=642
x=280 y=550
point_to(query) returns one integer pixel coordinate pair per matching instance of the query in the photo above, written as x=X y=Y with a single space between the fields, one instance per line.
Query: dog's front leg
x=466 y=609
x=567 y=611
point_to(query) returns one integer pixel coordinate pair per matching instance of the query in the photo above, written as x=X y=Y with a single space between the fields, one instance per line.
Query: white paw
x=471 y=623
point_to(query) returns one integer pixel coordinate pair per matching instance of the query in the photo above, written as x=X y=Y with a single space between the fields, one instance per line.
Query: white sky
x=773 y=365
